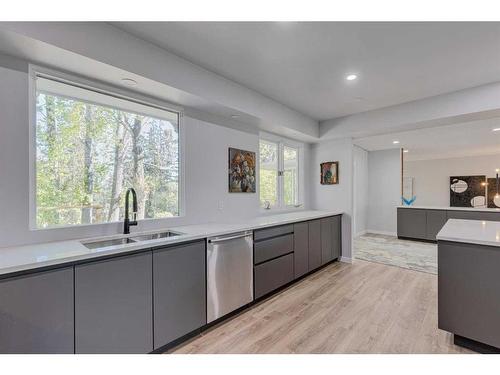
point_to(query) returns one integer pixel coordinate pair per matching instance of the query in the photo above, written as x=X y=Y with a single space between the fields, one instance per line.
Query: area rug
x=413 y=255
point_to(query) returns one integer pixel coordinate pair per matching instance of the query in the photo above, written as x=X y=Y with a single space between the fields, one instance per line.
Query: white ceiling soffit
x=457 y=140
x=304 y=64
x=475 y=103
x=103 y=52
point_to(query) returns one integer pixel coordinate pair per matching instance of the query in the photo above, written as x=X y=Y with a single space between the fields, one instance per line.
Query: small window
x=290 y=175
x=269 y=170
x=279 y=174
x=91 y=147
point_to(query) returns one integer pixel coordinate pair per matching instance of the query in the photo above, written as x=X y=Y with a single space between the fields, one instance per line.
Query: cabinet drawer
x=273 y=274
x=272 y=232
x=272 y=248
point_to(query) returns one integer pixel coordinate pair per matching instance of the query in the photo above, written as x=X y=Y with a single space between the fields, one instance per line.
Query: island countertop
x=471 y=231
x=31 y=257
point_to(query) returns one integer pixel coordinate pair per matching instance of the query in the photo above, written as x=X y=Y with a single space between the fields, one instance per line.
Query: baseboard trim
x=361 y=233
x=345 y=260
x=385 y=233
x=475 y=346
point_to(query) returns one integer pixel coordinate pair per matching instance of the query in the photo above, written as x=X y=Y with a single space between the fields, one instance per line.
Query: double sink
x=133 y=239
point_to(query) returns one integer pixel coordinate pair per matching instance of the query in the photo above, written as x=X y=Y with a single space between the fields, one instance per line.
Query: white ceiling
x=303 y=64
x=465 y=139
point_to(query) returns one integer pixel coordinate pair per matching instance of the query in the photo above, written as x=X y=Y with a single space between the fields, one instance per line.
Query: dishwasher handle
x=222 y=239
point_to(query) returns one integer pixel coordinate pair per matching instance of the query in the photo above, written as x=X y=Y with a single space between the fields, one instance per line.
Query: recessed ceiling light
x=395 y=142
x=405 y=151
x=496 y=130
x=351 y=77
x=129 y=82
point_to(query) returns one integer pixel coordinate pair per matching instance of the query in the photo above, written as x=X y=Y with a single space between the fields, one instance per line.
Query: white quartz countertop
x=453 y=208
x=471 y=231
x=30 y=257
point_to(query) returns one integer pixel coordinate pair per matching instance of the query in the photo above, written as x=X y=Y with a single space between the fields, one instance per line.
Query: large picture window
x=91 y=147
x=279 y=174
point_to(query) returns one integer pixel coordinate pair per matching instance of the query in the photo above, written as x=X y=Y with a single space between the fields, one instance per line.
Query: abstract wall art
x=468 y=191
x=493 y=193
x=329 y=173
x=241 y=171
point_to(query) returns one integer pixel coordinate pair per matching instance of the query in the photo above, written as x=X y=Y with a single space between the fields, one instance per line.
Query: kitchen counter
x=31 y=257
x=453 y=208
x=471 y=231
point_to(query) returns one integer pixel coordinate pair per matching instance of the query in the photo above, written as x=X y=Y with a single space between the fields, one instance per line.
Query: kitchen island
x=469 y=283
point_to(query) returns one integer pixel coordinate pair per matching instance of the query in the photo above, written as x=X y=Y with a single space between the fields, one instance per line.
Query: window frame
x=282 y=143
x=35 y=71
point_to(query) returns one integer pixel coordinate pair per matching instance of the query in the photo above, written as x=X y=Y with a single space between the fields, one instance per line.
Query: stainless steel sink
x=124 y=241
x=155 y=236
x=107 y=243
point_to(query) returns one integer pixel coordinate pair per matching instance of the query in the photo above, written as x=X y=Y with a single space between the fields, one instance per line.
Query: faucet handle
x=134 y=216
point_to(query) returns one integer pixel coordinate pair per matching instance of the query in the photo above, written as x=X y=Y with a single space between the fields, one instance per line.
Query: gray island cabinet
x=469 y=283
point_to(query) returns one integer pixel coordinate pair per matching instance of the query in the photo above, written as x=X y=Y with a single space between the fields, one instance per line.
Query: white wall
x=384 y=190
x=360 y=190
x=431 y=182
x=206 y=146
x=334 y=197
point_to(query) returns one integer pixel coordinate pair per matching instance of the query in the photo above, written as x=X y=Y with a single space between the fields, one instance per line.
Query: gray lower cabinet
x=473 y=215
x=330 y=238
x=179 y=291
x=425 y=224
x=301 y=249
x=337 y=236
x=436 y=219
x=466 y=215
x=114 y=305
x=271 y=275
x=468 y=291
x=412 y=223
x=491 y=216
x=314 y=244
x=36 y=313
x=326 y=240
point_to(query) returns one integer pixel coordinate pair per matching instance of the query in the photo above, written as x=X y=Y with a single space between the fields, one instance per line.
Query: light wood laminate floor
x=344 y=308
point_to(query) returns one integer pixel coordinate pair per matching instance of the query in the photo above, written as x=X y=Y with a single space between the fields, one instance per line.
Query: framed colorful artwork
x=329 y=173
x=241 y=171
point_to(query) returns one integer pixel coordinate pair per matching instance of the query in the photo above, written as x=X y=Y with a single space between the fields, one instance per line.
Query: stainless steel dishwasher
x=229 y=273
